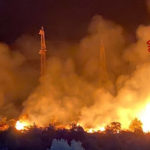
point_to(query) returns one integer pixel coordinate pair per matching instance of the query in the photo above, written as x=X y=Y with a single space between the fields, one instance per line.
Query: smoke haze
x=76 y=88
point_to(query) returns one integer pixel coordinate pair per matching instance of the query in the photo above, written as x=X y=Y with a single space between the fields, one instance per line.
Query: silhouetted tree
x=113 y=127
x=43 y=138
x=136 y=126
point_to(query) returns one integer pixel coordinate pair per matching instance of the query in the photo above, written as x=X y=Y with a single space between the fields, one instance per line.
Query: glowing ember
x=22 y=125
x=145 y=119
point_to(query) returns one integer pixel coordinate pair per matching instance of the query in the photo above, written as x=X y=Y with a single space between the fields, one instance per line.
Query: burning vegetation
x=52 y=138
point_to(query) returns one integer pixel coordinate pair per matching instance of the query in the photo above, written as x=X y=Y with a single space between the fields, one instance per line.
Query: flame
x=143 y=116
x=92 y=130
x=145 y=119
x=22 y=125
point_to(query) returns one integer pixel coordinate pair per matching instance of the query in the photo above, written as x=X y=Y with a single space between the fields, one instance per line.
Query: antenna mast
x=43 y=51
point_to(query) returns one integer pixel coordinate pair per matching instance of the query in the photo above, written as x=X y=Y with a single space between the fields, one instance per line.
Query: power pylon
x=43 y=51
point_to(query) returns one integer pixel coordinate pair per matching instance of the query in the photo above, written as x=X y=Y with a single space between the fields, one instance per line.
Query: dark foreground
x=43 y=139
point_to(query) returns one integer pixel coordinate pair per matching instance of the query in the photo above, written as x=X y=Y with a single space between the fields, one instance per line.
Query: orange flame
x=145 y=119
x=22 y=125
x=142 y=115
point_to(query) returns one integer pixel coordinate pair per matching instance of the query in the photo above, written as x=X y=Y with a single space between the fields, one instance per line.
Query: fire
x=22 y=125
x=145 y=119
x=142 y=115
x=92 y=130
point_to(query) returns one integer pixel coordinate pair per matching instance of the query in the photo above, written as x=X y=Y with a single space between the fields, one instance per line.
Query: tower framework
x=43 y=51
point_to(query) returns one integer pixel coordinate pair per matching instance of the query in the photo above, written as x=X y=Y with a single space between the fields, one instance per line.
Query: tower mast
x=42 y=51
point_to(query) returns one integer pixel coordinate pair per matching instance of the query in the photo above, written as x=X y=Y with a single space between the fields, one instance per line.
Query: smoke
x=73 y=79
x=16 y=76
x=12 y=86
x=76 y=88
x=132 y=87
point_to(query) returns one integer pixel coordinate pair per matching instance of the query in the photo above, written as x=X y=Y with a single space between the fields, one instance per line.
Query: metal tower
x=42 y=51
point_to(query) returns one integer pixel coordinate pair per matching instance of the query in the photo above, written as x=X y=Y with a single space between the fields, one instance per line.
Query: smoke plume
x=76 y=88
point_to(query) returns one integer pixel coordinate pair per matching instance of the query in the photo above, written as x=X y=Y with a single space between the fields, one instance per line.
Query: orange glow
x=144 y=116
x=142 y=113
x=92 y=130
x=22 y=125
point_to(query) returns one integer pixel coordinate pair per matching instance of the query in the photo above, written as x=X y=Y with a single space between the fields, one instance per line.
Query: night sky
x=66 y=19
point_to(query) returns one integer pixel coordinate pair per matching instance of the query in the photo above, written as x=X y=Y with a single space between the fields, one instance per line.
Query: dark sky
x=66 y=19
